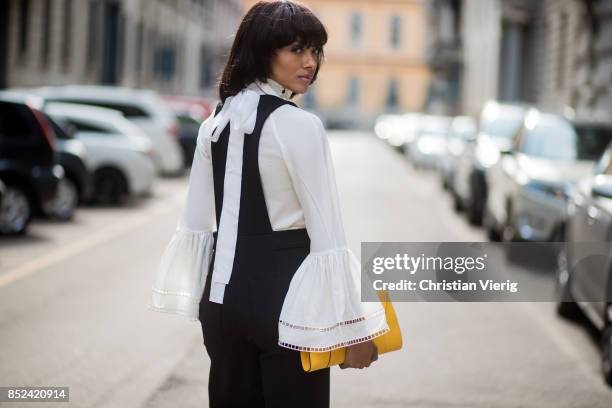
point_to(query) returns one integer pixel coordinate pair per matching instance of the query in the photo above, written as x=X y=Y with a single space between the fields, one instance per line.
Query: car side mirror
x=602 y=189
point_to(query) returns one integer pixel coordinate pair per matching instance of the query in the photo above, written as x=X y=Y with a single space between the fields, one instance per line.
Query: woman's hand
x=360 y=355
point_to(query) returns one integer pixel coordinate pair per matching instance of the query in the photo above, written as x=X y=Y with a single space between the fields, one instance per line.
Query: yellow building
x=375 y=57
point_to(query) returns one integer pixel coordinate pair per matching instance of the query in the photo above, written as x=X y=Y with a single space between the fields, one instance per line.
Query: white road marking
x=122 y=226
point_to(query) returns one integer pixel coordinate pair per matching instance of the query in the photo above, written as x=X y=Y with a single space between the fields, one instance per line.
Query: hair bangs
x=293 y=22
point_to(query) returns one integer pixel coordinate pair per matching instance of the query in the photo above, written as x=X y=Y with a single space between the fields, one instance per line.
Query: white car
x=462 y=131
x=428 y=148
x=143 y=108
x=120 y=155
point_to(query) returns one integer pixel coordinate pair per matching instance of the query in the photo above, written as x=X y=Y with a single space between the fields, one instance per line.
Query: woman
x=277 y=277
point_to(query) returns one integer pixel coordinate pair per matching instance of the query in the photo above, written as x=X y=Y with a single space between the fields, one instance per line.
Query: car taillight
x=45 y=126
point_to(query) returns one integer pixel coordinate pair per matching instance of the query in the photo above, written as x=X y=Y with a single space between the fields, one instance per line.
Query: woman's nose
x=309 y=60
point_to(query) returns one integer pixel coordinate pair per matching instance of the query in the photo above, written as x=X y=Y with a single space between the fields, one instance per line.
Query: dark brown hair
x=267 y=27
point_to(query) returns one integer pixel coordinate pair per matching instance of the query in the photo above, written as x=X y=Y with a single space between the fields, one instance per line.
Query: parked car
x=191 y=112
x=403 y=130
x=584 y=281
x=143 y=108
x=2 y=194
x=498 y=124
x=462 y=131
x=428 y=147
x=383 y=126
x=28 y=163
x=528 y=185
x=120 y=155
x=76 y=187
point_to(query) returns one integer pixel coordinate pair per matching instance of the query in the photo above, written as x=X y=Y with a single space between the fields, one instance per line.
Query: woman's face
x=293 y=67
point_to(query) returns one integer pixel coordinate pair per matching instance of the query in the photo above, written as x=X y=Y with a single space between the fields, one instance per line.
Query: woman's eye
x=297 y=49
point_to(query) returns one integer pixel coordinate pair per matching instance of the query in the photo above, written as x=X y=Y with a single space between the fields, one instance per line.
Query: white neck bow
x=239 y=110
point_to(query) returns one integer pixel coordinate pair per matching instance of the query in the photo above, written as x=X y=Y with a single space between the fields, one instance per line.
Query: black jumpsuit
x=248 y=367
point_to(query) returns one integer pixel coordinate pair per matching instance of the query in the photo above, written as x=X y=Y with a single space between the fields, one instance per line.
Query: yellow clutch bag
x=390 y=341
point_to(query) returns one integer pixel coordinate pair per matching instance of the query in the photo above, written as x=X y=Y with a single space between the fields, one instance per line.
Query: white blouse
x=322 y=309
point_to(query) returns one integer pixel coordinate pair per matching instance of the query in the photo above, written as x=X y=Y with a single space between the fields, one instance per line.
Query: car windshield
x=592 y=141
x=433 y=126
x=558 y=139
x=503 y=127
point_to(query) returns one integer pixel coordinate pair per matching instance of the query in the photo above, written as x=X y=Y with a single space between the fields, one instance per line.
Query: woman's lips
x=306 y=78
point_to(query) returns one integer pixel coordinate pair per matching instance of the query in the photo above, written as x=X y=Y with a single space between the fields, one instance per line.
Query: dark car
x=584 y=273
x=188 y=135
x=76 y=187
x=190 y=111
x=28 y=163
x=2 y=193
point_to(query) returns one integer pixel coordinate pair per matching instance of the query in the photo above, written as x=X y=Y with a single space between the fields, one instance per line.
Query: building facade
x=374 y=59
x=173 y=46
x=554 y=54
x=592 y=65
x=444 y=56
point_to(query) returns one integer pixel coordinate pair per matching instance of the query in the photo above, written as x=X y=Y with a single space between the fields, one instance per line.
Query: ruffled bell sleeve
x=322 y=310
x=182 y=271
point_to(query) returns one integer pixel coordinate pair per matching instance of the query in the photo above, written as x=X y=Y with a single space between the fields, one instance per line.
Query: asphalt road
x=74 y=296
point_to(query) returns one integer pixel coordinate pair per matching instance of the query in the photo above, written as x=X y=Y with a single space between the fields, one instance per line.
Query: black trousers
x=248 y=367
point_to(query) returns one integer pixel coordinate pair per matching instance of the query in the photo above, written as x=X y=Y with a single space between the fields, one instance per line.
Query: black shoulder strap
x=218 y=108
x=267 y=105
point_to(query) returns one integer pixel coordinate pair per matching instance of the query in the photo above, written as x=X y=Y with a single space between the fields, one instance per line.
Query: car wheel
x=508 y=231
x=445 y=183
x=606 y=352
x=493 y=234
x=457 y=205
x=566 y=305
x=110 y=186
x=15 y=212
x=510 y=236
x=474 y=214
x=474 y=208
x=490 y=226
x=67 y=198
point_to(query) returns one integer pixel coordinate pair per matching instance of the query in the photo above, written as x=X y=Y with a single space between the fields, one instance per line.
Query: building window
x=561 y=53
x=46 y=33
x=356 y=28
x=353 y=92
x=207 y=77
x=165 y=62
x=24 y=18
x=67 y=37
x=139 y=49
x=112 y=43
x=93 y=34
x=395 y=33
x=392 y=94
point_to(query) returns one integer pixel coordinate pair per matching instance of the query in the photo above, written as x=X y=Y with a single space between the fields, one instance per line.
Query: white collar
x=271 y=87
